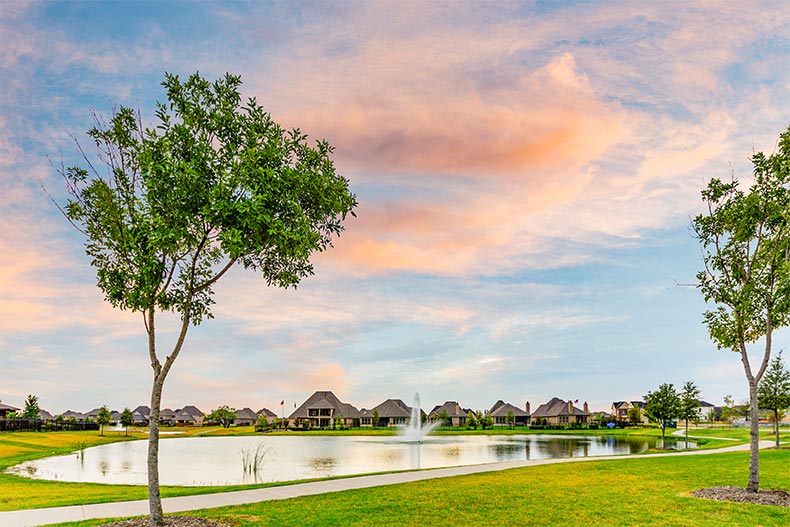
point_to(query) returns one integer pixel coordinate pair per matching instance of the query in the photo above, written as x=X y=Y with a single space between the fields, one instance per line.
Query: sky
x=526 y=175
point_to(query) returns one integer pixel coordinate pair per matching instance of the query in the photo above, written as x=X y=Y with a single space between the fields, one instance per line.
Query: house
x=392 y=412
x=93 y=414
x=559 y=412
x=167 y=417
x=70 y=415
x=321 y=409
x=502 y=410
x=601 y=417
x=270 y=416
x=140 y=416
x=44 y=415
x=189 y=415
x=620 y=410
x=706 y=411
x=245 y=417
x=450 y=411
x=6 y=409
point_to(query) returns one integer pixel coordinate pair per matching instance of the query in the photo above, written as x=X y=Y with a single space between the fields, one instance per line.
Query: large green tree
x=224 y=415
x=745 y=239
x=127 y=419
x=662 y=406
x=31 y=410
x=168 y=210
x=103 y=418
x=689 y=405
x=774 y=391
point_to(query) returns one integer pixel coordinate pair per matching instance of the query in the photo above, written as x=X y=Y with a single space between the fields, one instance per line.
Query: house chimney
x=570 y=407
x=528 y=408
x=586 y=408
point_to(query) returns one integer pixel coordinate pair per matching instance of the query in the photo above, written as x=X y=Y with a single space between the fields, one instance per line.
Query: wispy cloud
x=504 y=159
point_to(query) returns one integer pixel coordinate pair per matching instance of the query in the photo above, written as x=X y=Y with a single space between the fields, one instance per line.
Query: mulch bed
x=776 y=498
x=170 y=521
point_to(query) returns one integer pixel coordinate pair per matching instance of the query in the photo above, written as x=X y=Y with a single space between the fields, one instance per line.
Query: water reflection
x=217 y=460
x=508 y=450
x=451 y=453
x=323 y=466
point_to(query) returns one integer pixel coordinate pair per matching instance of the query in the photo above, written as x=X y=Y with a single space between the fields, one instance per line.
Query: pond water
x=195 y=461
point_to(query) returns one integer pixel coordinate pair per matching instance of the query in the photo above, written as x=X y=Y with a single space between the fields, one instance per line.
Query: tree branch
x=210 y=282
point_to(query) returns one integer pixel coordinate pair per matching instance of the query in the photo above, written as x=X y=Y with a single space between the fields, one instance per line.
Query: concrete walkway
x=34 y=517
x=682 y=433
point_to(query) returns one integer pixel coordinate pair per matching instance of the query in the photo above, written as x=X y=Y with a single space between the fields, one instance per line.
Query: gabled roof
x=185 y=417
x=8 y=407
x=93 y=413
x=265 y=411
x=142 y=411
x=452 y=408
x=556 y=407
x=501 y=409
x=618 y=404
x=392 y=408
x=44 y=414
x=325 y=400
x=246 y=413
x=167 y=413
x=194 y=411
x=704 y=404
x=72 y=413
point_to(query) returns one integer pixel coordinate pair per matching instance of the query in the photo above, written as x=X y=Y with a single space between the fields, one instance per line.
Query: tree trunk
x=776 y=426
x=154 y=498
x=687 y=434
x=754 y=440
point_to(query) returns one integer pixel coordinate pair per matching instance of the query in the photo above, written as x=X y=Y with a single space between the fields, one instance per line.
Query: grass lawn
x=644 y=492
x=22 y=493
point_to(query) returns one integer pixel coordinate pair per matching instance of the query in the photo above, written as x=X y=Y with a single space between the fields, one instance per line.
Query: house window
x=563 y=419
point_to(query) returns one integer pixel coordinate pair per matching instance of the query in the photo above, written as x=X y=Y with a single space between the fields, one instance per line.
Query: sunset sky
x=526 y=173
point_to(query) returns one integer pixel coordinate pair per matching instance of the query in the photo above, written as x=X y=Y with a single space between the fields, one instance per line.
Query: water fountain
x=415 y=431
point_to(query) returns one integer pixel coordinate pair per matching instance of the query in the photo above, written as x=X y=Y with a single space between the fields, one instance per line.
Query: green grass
x=645 y=492
x=17 y=492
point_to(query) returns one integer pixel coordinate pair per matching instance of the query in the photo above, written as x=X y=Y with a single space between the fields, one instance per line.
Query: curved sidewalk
x=35 y=517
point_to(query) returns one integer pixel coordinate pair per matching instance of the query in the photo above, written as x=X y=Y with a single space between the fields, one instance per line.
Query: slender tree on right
x=662 y=406
x=745 y=241
x=689 y=405
x=774 y=391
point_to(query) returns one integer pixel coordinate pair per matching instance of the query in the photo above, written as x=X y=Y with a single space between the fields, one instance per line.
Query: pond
x=196 y=461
